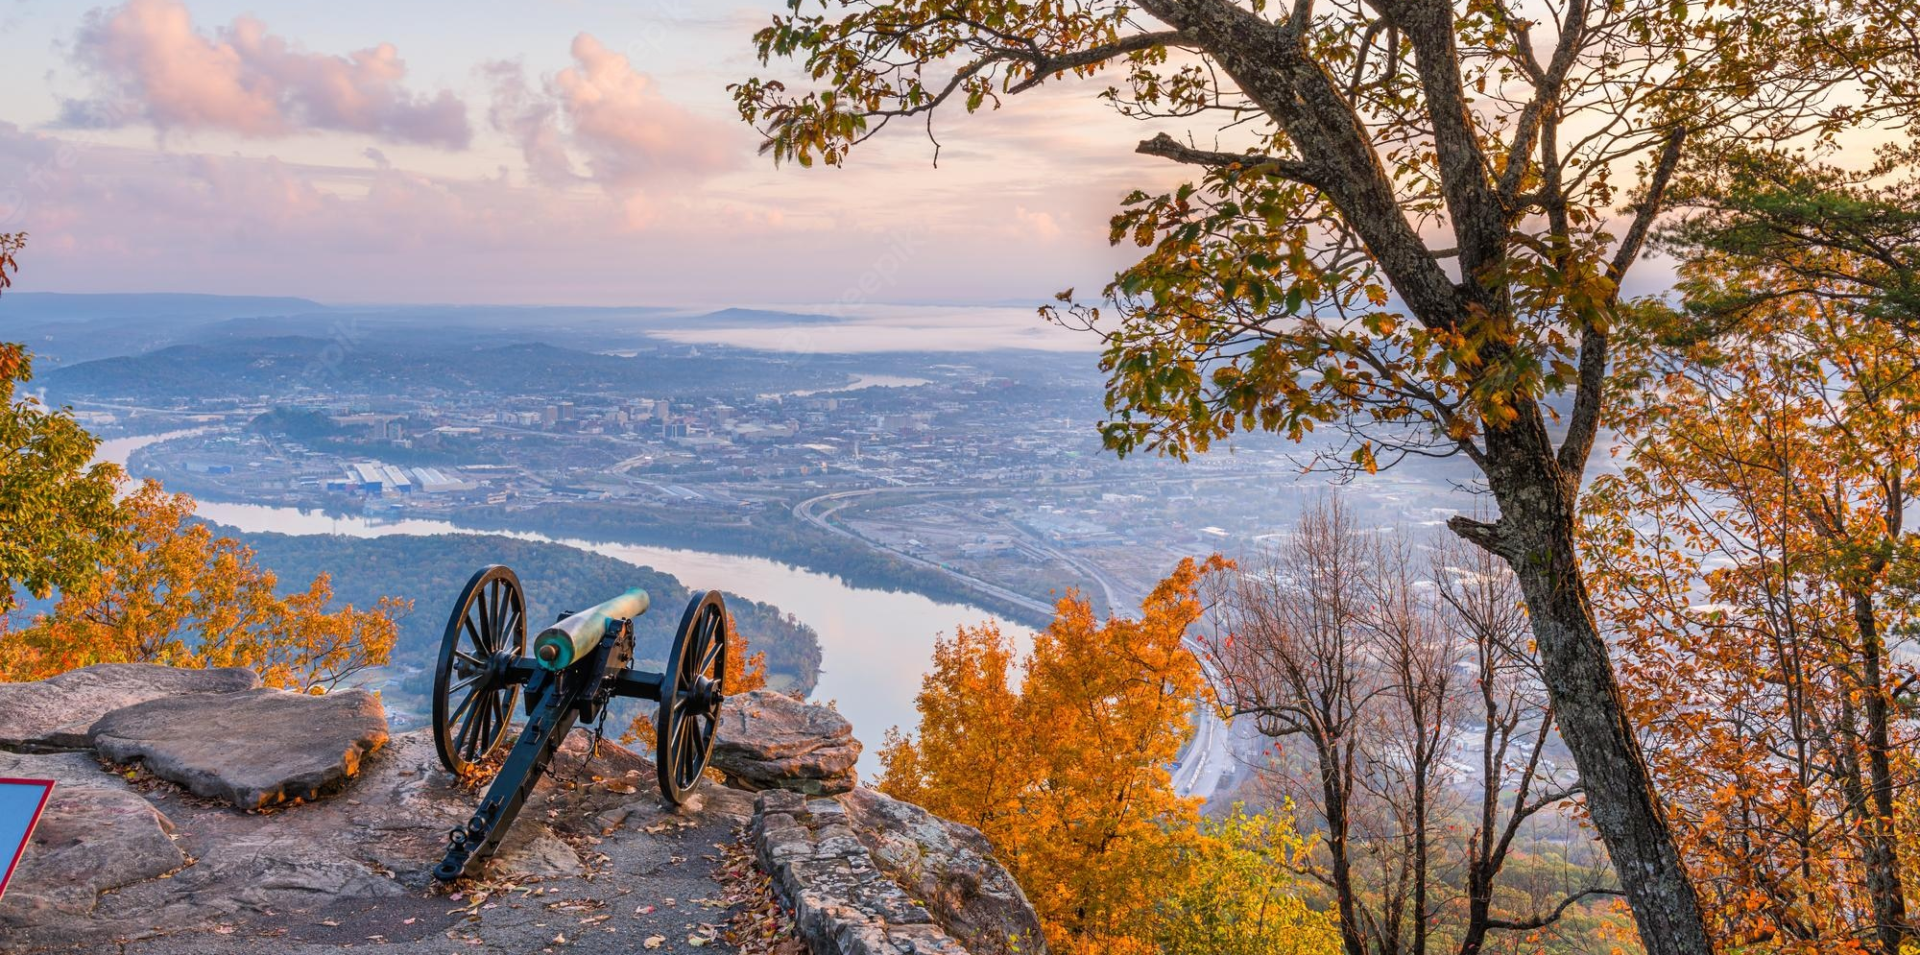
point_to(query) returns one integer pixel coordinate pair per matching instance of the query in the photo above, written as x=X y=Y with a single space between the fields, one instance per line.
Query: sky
x=532 y=152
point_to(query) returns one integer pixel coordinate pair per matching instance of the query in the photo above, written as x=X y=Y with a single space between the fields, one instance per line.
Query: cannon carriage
x=578 y=666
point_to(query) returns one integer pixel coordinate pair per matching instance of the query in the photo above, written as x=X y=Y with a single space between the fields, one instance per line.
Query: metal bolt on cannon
x=579 y=665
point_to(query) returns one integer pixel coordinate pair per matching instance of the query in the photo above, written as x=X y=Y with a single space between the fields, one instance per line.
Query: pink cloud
x=149 y=63
x=624 y=123
x=612 y=115
x=531 y=119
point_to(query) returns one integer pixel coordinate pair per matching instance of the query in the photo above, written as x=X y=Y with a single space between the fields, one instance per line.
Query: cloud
x=1040 y=224
x=532 y=120
x=600 y=108
x=150 y=64
x=623 y=122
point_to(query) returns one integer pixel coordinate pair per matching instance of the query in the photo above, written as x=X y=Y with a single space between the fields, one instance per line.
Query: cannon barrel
x=558 y=646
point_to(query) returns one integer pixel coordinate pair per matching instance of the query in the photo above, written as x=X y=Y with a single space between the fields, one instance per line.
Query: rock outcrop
x=55 y=713
x=865 y=874
x=251 y=749
x=948 y=868
x=841 y=901
x=146 y=868
x=768 y=740
x=165 y=862
x=96 y=835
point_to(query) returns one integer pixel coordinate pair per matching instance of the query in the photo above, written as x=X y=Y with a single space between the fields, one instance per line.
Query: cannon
x=578 y=666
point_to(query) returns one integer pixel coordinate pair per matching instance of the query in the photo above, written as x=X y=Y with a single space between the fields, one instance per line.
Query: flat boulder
x=769 y=740
x=55 y=713
x=251 y=749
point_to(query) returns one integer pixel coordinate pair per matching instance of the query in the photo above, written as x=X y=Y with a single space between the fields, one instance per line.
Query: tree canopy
x=53 y=499
x=1410 y=220
x=1064 y=771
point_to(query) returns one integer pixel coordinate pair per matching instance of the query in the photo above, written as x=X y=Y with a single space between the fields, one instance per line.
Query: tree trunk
x=1334 y=792
x=1882 y=856
x=1535 y=534
x=1421 y=770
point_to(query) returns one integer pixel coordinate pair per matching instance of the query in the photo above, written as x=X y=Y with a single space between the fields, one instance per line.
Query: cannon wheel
x=472 y=697
x=691 y=691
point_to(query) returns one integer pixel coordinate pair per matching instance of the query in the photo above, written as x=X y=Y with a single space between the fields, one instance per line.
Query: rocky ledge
x=771 y=741
x=198 y=813
x=864 y=874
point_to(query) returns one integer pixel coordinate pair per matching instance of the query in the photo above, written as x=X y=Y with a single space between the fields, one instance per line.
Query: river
x=874 y=644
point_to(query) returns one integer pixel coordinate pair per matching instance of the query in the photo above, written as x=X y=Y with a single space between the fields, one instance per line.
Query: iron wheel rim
x=692 y=693
x=472 y=700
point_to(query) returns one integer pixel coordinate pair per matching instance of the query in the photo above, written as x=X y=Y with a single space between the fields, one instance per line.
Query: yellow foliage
x=1239 y=894
x=1066 y=776
x=168 y=591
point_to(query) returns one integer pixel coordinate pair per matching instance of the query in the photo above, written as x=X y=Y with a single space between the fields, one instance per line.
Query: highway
x=1207 y=756
x=809 y=511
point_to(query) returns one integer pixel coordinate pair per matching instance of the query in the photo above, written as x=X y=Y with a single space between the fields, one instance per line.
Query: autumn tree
x=1401 y=225
x=1238 y=894
x=1066 y=774
x=1388 y=670
x=55 y=504
x=969 y=729
x=164 y=589
x=1756 y=554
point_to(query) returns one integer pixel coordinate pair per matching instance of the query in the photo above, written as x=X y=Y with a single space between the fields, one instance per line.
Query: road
x=1208 y=754
x=809 y=511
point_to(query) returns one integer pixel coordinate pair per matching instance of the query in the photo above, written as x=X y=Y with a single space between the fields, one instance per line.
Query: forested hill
x=403 y=365
x=431 y=570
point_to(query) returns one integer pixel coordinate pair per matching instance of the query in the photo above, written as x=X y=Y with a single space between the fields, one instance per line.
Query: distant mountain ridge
x=78 y=306
x=759 y=318
x=274 y=364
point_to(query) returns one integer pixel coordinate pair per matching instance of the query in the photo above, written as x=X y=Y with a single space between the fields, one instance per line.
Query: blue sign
x=21 y=801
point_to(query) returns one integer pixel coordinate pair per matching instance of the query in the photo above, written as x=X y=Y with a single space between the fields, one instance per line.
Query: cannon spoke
x=688 y=768
x=498 y=615
x=482 y=625
x=466 y=682
x=465 y=703
x=490 y=727
x=702 y=733
x=482 y=721
x=469 y=735
x=710 y=653
x=472 y=632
